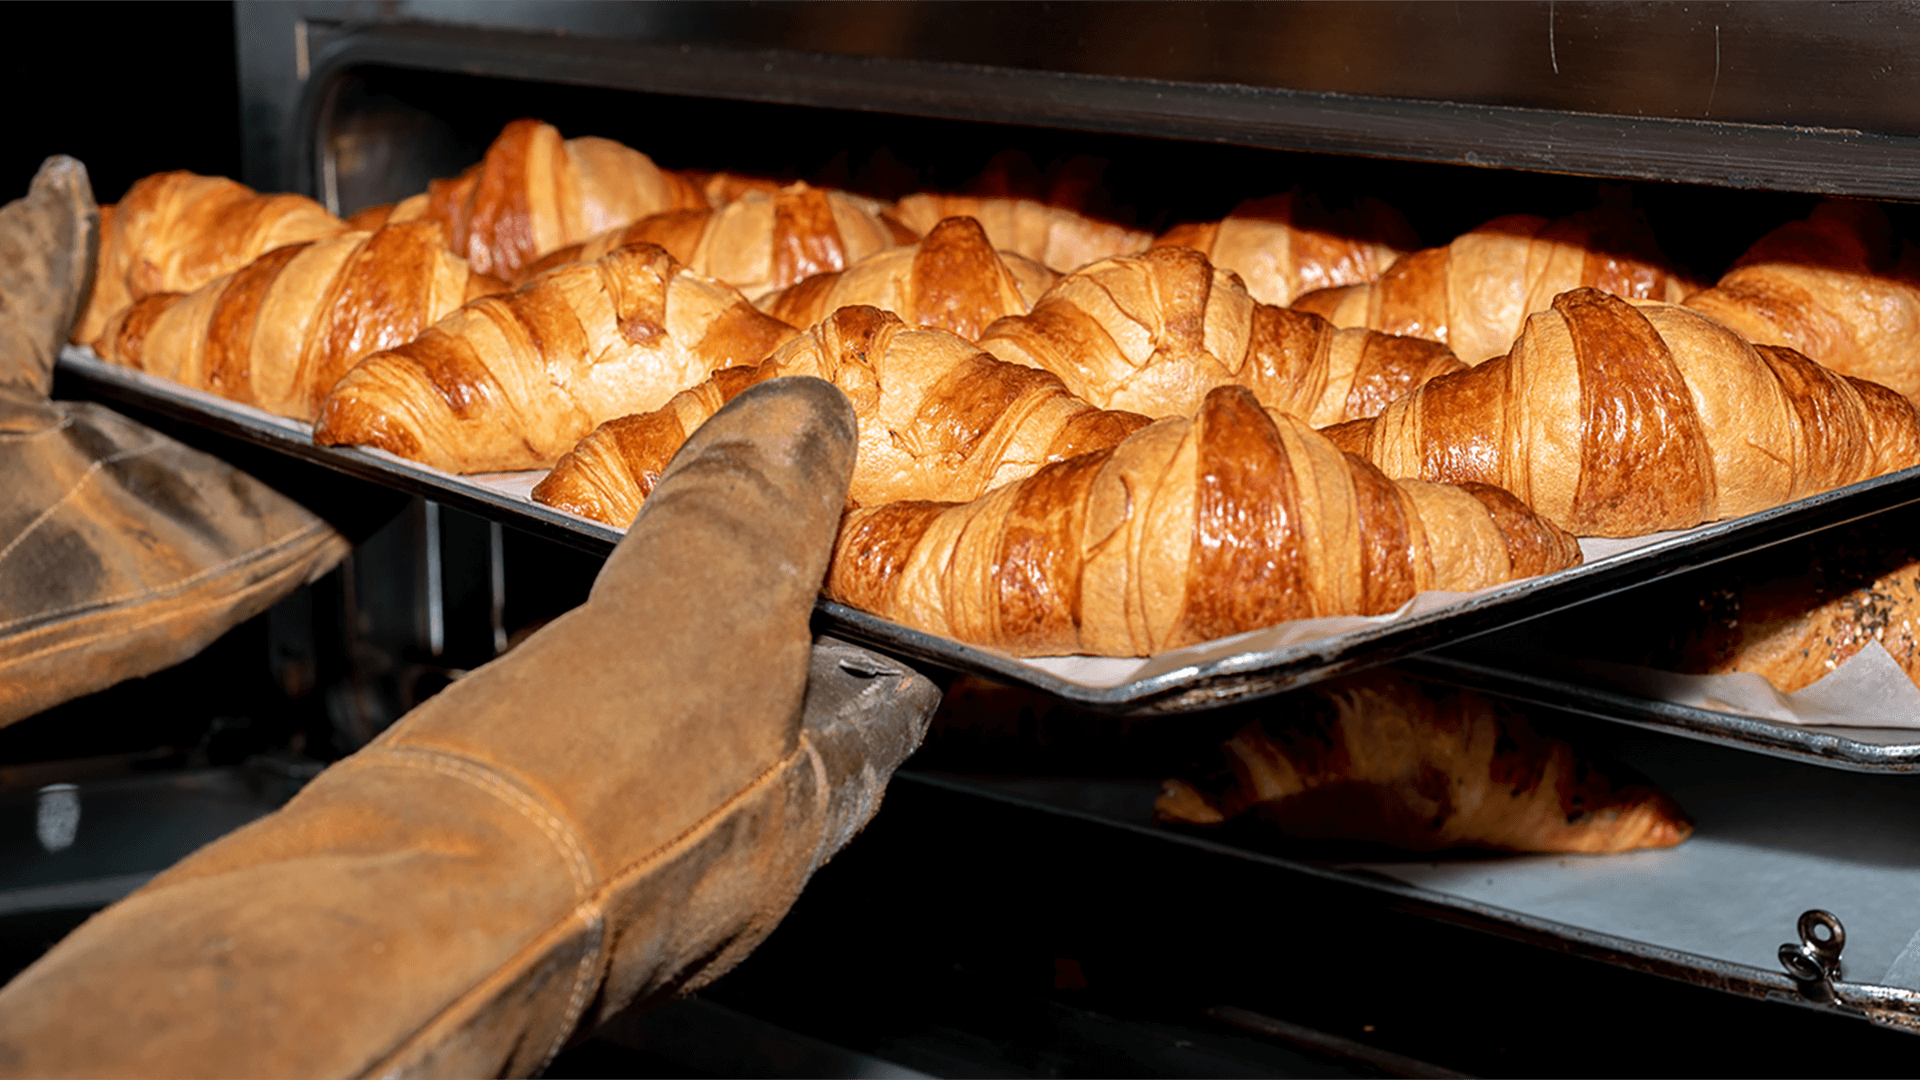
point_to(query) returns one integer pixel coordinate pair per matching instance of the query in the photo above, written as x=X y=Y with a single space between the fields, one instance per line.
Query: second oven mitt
x=621 y=808
x=121 y=551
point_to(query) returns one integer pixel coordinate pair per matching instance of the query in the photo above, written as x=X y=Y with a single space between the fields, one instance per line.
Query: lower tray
x=1773 y=839
x=1860 y=749
x=1204 y=676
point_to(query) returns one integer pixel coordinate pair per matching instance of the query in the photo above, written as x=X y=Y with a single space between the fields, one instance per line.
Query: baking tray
x=1773 y=839
x=1206 y=676
x=1488 y=668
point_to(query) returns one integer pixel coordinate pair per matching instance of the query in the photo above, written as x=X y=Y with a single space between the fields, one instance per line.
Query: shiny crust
x=534 y=192
x=1381 y=758
x=758 y=242
x=1475 y=293
x=1186 y=531
x=1052 y=236
x=1618 y=419
x=1153 y=333
x=951 y=280
x=1285 y=246
x=514 y=381
x=939 y=419
x=175 y=231
x=1826 y=287
x=280 y=331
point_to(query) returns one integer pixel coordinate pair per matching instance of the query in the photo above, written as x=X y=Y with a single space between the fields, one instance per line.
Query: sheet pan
x=1773 y=839
x=1205 y=676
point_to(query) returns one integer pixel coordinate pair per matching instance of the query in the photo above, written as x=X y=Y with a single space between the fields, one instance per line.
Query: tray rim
x=1887 y=1006
x=1190 y=688
x=1809 y=745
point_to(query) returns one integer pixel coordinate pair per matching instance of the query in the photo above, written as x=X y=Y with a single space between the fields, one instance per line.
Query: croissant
x=1053 y=236
x=1475 y=293
x=513 y=381
x=721 y=188
x=1284 y=246
x=1378 y=757
x=1188 y=530
x=1153 y=333
x=280 y=331
x=175 y=231
x=939 y=419
x=760 y=241
x=1827 y=288
x=534 y=192
x=952 y=280
x=1619 y=419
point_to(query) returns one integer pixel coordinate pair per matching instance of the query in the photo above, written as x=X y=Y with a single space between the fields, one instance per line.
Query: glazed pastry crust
x=1187 y=531
x=1382 y=758
x=1617 y=419
x=513 y=381
x=279 y=332
x=1154 y=333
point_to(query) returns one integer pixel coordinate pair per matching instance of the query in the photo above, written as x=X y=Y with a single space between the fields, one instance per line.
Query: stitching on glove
x=557 y=828
x=254 y=555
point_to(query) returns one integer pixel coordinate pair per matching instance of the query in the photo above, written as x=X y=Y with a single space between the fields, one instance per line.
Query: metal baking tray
x=1773 y=839
x=1859 y=749
x=1184 y=680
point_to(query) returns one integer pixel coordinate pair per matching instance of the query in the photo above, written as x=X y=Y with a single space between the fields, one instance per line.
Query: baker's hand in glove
x=121 y=551
x=621 y=808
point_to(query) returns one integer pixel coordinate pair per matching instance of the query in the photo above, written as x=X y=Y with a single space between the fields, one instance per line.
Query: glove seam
x=271 y=548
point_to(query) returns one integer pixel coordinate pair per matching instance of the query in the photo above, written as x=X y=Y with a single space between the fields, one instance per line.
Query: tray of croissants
x=1138 y=471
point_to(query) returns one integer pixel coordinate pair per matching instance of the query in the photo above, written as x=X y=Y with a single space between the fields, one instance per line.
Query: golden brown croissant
x=1475 y=293
x=1619 y=419
x=1286 y=245
x=280 y=331
x=1187 y=531
x=1828 y=287
x=939 y=419
x=534 y=192
x=760 y=241
x=1050 y=235
x=1153 y=333
x=951 y=280
x=513 y=381
x=721 y=188
x=175 y=231
x=1379 y=757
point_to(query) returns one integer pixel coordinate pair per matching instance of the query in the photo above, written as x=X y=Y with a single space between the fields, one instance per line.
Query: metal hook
x=1815 y=962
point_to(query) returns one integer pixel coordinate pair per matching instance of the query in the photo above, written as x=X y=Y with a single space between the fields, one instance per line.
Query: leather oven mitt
x=619 y=809
x=121 y=551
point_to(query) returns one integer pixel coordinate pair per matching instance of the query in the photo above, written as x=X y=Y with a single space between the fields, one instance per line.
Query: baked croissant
x=1379 y=757
x=1619 y=419
x=1286 y=245
x=939 y=419
x=513 y=381
x=1050 y=235
x=280 y=331
x=760 y=241
x=951 y=280
x=721 y=188
x=1153 y=333
x=1189 y=530
x=534 y=192
x=175 y=231
x=1475 y=293
x=1828 y=287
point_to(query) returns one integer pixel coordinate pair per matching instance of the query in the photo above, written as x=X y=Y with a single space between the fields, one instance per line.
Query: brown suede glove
x=121 y=551
x=619 y=809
